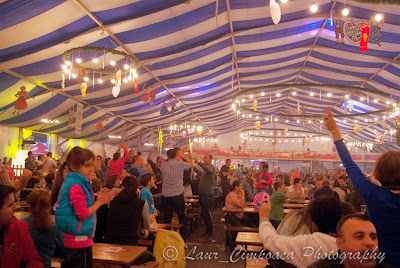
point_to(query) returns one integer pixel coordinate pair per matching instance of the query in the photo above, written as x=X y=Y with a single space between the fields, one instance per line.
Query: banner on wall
x=78 y=122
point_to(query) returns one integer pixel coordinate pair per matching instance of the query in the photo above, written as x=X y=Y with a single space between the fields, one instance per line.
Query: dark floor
x=217 y=248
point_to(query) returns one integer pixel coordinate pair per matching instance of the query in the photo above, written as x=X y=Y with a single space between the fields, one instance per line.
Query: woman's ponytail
x=57 y=184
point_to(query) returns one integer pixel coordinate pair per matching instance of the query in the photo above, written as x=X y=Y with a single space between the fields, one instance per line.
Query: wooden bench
x=256 y=263
x=232 y=230
x=250 y=248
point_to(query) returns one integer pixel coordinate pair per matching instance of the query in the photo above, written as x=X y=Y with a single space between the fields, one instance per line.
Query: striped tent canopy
x=198 y=54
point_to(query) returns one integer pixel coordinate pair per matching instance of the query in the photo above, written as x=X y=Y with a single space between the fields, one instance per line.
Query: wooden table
x=293 y=206
x=249 y=210
x=193 y=196
x=123 y=258
x=248 y=238
x=297 y=201
x=192 y=200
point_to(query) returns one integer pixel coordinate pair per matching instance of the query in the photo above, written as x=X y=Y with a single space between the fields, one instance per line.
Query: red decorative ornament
x=81 y=74
x=364 y=37
x=135 y=84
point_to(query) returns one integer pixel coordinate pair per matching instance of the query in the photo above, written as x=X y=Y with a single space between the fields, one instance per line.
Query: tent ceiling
x=200 y=53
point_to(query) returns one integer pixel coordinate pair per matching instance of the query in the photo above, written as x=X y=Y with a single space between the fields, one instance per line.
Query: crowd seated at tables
x=129 y=196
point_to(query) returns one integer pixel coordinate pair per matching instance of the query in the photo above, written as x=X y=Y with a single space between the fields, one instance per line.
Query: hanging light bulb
x=86 y=78
x=321 y=121
x=64 y=67
x=66 y=71
x=125 y=80
x=100 y=81
x=378 y=17
x=309 y=121
x=250 y=115
x=276 y=119
x=298 y=121
x=133 y=71
x=362 y=98
x=257 y=117
x=73 y=75
x=238 y=112
x=126 y=66
x=243 y=115
x=251 y=96
x=113 y=81
x=329 y=94
x=278 y=94
x=129 y=78
x=287 y=121
x=266 y=119
x=237 y=101
x=345 y=11
x=344 y=120
x=314 y=7
x=284 y=1
x=294 y=93
x=233 y=106
x=68 y=63
x=347 y=96
x=78 y=60
x=388 y=102
x=311 y=94
x=95 y=60
x=375 y=100
x=262 y=93
x=243 y=100
x=112 y=62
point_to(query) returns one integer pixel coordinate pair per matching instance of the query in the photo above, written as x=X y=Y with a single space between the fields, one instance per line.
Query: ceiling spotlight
x=314 y=8
x=276 y=119
x=298 y=121
x=86 y=78
x=257 y=117
x=345 y=11
x=68 y=63
x=378 y=17
x=73 y=75
x=100 y=81
x=294 y=93
x=129 y=78
x=78 y=60
x=251 y=96
x=250 y=115
x=262 y=93
x=66 y=71
x=237 y=101
x=362 y=98
x=243 y=115
x=278 y=94
x=388 y=102
x=375 y=100
x=64 y=67
x=311 y=94
x=243 y=100
x=95 y=60
x=126 y=66
x=329 y=94
x=113 y=81
x=112 y=62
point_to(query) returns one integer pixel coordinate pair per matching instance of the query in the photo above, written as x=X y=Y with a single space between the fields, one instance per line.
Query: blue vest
x=66 y=219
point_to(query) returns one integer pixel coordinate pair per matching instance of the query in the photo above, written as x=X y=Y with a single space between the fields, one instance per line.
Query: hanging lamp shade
x=275 y=11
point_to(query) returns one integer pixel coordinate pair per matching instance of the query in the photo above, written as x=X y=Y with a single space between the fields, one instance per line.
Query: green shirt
x=277 y=200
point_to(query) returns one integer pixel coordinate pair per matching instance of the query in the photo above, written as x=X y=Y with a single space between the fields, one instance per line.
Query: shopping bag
x=169 y=249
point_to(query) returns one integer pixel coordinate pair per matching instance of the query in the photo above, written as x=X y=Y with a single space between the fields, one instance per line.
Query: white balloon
x=275 y=11
x=115 y=91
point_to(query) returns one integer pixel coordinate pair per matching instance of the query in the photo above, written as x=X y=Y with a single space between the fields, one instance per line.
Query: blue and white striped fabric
x=183 y=44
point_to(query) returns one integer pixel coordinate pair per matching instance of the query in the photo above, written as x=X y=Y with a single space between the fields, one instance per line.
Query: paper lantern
x=275 y=11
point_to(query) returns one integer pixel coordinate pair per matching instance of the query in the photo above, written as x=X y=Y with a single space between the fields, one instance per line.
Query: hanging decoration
x=107 y=118
x=160 y=140
x=298 y=106
x=173 y=106
x=275 y=11
x=339 y=29
x=351 y=105
x=321 y=143
x=184 y=134
x=140 y=137
x=99 y=125
x=286 y=129
x=303 y=109
x=356 y=128
x=172 y=132
x=384 y=124
x=250 y=143
x=255 y=105
x=145 y=96
x=21 y=103
x=83 y=89
x=135 y=85
x=62 y=81
x=306 y=140
x=71 y=117
x=115 y=91
x=257 y=125
x=164 y=109
x=364 y=37
x=153 y=95
x=81 y=74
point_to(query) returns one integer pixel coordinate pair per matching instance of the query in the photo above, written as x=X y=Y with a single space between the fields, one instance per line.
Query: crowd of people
x=117 y=200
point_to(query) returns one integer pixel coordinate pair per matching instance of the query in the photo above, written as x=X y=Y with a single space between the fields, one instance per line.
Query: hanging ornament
x=250 y=143
x=266 y=143
x=364 y=37
x=63 y=81
x=322 y=143
x=115 y=91
x=275 y=11
x=99 y=125
x=160 y=140
x=356 y=128
x=83 y=89
x=81 y=74
x=298 y=106
x=145 y=96
x=202 y=145
x=173 y=106
x=303 y=109
x=117 y=78
x=286 y=129
x=152 y=95
x=172 y=133
x=184 y=133
x=21 y=103
x=107 y=118
x=135 y=85
x=375 y=132
x=255 y=105
x=257 y=125
x=164 y=110
x=339 y=29
x=384 y=123
x=199 y=132
x=351 y=105
x=354 y=32
x=71 y=117
x=306 y=140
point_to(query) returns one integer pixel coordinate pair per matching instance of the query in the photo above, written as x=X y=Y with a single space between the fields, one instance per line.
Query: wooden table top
x=293 y=206
x=250 y=210
x=192 y=196
x=123 y=258
x=249 y=238
x=297 y=201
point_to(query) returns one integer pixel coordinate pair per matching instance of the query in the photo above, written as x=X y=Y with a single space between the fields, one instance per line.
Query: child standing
x=277 y=199
x=75 y=208
x=148 y=182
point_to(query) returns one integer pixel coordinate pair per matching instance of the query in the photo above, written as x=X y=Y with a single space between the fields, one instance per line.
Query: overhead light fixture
x=329 y=94
x=378 y=17
x=278 y=94
x=294 y=93
x=311 y=93
x=345 y=11
x=314 y=7
x=95 y=60
x=112 y=62
x=347 y=96
x=375 y=100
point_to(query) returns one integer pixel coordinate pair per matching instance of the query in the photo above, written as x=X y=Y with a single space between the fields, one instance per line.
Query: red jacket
x=116 y=167
x=18 y=247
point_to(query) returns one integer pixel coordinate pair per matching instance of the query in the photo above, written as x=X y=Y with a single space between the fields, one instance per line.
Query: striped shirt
x=172 y=171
